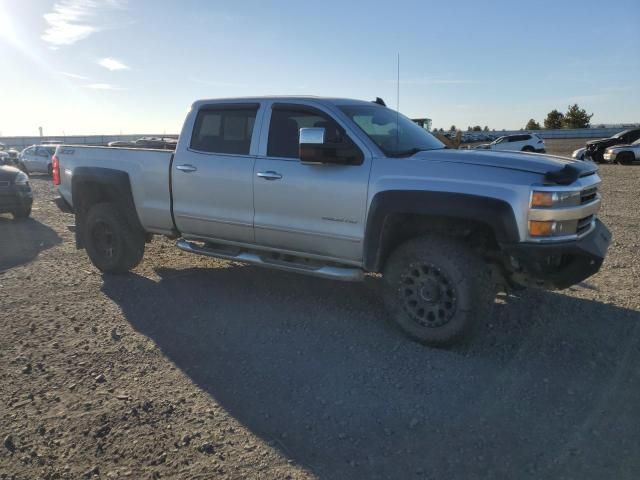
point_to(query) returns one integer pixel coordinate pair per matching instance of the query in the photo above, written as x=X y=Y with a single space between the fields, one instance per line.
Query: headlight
x=541 y=199
x=22 y=179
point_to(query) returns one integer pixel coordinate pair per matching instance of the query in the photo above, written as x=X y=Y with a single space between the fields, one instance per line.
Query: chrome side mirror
x=312 y=136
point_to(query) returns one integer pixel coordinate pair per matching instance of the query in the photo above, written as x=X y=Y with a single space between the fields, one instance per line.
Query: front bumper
x=15 y=197
x=559 y=265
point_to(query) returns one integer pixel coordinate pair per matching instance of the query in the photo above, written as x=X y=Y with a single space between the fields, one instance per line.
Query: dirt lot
x=194 y=368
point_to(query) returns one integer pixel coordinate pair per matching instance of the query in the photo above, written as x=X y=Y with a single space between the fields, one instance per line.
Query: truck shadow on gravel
x=21 y=241
x=548 y=386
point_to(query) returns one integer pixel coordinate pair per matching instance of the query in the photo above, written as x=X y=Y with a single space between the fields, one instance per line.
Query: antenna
x=398 y=105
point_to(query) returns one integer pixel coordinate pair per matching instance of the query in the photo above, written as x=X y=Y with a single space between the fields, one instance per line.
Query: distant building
x=423 y=122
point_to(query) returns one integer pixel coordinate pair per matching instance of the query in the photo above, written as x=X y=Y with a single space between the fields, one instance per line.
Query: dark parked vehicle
x=15 y=192
x=147 y=142
x=596 y=148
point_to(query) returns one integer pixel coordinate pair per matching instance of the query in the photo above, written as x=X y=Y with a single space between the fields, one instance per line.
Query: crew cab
x=339 y=188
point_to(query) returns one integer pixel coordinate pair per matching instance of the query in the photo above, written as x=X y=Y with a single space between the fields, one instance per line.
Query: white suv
x=525 y=142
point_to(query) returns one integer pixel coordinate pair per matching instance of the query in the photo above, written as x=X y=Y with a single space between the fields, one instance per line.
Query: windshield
x=394 y=133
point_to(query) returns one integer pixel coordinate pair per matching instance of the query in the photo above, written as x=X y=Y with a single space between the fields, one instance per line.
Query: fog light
x=541 y=229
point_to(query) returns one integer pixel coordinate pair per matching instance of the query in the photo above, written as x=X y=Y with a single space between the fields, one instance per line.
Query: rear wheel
x=21 y=213
x=626 y=158
x=528 y=148
x=436 y=289
x=50 y=170
x=111 y=243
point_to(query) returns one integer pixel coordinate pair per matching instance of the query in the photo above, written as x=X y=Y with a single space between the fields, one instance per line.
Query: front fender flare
x=495 y=213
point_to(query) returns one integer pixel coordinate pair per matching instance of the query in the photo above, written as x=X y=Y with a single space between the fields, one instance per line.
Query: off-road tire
x=113 y=245
x=626 y=158
x=21 y=213
x=458 y=284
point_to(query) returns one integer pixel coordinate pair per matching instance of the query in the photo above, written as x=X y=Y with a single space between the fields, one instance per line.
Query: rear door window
x=224 y=129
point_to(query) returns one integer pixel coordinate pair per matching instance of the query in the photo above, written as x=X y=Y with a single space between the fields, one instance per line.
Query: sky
x=135 y=66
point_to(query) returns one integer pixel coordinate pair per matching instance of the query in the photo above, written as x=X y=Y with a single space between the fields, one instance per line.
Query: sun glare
x=7 y=32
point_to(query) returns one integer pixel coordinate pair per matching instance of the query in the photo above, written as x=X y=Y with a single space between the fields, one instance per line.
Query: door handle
x=186 y=168
x=269 y=175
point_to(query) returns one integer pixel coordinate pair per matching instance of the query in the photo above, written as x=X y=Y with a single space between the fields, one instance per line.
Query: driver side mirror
x=314 y=148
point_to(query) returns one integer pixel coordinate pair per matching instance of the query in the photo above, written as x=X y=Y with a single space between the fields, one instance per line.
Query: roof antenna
x=398 y=105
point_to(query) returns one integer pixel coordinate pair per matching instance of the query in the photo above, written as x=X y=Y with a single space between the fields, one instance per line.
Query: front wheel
x=112 y=244
x=436 y=289
x=626 y=158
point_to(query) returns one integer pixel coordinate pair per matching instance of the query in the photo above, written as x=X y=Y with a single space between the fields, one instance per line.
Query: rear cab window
x=224 y=129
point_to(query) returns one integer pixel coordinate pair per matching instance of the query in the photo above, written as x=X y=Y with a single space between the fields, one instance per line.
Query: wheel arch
x=397 y=216
x=92 y=185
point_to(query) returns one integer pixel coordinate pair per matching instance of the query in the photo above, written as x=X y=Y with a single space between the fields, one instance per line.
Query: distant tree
x=532 y=125
x=441 y=130
x=453 y=128
x=477 y=128
x=469 y=128
x=553 y=120
x=485 y=129
x=576 y=117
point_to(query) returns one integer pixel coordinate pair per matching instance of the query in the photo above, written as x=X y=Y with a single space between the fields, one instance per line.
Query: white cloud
x=74 y=76
x=103 y=86
x=73 y=20
x=112 y=64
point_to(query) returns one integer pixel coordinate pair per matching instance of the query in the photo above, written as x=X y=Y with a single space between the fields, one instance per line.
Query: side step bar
x=347 y=274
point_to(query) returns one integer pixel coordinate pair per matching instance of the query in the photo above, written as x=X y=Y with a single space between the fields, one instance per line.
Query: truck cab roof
x=284 y=98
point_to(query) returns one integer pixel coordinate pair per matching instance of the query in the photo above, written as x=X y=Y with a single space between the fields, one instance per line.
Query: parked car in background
x=37 y=159
x=596 y=148
x=624 y=154
x=15 y=192
x=579 y=154
x=4 y=155
x=525 y=142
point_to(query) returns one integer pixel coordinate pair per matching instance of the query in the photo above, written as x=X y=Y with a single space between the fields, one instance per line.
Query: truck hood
x=526 y=162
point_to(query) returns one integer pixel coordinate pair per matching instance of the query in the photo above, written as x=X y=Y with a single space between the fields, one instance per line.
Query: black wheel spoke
x=428 y=295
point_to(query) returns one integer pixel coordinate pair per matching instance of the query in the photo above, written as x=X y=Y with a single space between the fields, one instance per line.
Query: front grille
x=588 y=194
x=584 y=224
x=4 y=183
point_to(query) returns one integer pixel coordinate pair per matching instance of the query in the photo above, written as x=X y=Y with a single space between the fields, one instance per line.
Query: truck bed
x=148 y=171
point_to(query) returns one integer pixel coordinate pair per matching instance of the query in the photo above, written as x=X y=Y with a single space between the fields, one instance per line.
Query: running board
x=347 y=274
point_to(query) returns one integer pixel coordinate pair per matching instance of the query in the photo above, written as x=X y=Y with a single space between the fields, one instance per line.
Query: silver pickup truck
x=337 y=188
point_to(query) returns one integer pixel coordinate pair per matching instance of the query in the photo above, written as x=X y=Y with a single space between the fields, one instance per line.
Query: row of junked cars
x=623 y=148
x=37 y=158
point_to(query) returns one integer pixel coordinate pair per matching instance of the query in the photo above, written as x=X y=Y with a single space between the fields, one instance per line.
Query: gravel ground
x=195 y=368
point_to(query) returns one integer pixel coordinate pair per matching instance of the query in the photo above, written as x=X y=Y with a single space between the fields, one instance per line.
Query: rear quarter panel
x=148 y=173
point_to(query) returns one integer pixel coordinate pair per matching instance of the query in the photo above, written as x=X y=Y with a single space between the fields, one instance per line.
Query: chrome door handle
x=269 y=175
x=186 y=168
